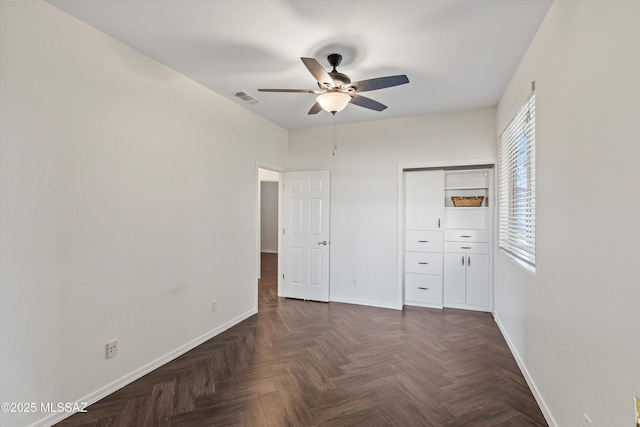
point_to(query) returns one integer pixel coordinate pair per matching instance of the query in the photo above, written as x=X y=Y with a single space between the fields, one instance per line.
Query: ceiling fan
x=336 y=89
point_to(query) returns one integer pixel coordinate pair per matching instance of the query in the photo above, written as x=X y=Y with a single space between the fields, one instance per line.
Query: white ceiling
x=458 y=54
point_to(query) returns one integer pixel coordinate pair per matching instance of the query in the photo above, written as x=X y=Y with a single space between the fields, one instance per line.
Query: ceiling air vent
x=245 y=97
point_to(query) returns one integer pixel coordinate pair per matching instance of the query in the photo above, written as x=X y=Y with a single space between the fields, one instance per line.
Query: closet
x=447 y=238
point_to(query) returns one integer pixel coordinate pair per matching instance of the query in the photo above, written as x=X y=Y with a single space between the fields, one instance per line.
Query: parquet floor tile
x=300 y=363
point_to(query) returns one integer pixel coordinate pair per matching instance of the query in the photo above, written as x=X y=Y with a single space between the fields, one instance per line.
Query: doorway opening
x=267 y=234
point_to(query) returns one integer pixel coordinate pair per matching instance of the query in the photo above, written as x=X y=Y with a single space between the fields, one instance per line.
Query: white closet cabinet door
x=466 y=235
x=423 y=288
x=423 y=262
x=423 y=241
x=478 y=279
x=454 y=278
x=424 y=199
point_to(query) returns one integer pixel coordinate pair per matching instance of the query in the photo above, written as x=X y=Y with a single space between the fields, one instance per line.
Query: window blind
x=517 y=185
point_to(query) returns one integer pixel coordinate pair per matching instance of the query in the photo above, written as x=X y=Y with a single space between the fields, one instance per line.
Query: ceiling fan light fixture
x=333 y=101
x=336 y=89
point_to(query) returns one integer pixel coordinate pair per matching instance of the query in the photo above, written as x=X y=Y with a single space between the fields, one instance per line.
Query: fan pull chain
x=335 y=134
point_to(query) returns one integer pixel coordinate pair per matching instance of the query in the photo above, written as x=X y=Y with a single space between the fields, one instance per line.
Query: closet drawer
x=423 y=288
x=424 y=241
x=423 y=262
x=467 y=247
x=466 y=235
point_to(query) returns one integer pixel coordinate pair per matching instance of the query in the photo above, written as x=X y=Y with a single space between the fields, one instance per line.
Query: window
x=517 y=185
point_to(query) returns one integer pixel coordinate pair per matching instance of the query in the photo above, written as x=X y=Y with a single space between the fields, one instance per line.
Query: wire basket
x=467 y=202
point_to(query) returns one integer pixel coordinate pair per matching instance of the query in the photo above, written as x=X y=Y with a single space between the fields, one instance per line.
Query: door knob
x=324 y=243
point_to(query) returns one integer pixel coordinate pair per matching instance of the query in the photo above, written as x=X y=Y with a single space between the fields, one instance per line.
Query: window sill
x=531 y=269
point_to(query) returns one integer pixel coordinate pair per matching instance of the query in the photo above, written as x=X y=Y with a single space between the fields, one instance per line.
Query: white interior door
x=305 y=235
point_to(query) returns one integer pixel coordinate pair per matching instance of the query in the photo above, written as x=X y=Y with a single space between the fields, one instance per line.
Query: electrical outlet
x=112 y=349
x=214 y=306
x=587 y=421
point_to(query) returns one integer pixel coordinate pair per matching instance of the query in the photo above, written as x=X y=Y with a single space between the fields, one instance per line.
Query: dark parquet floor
x=300 y=363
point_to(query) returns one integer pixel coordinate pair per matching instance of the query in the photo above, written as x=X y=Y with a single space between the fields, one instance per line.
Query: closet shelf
x=466 y=208
x=466 y=188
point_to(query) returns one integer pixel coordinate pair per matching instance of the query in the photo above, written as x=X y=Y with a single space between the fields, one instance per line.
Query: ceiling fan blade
x=315 y=109
x=290 y=90
x=365 y=102
x=379 y=83
x=319 y=73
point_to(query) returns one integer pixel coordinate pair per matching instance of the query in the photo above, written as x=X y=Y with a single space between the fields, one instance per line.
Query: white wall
x=127 y=204
x=113 y=168
x=574 y=324
x=364 y=188
x=269 y=216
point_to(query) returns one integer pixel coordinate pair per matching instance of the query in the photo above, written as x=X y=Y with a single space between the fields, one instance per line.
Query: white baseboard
x=468 y=307
x=365 y=302
x=103 y=392
x=269 y=251
x=527 y=377
x=423 y=305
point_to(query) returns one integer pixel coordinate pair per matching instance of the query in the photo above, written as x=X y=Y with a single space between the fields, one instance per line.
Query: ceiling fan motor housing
x=340 y=79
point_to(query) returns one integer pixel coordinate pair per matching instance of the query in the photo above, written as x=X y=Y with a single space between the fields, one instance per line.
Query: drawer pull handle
x=462 y=259
x=466 y=236
x=423 y=241
x=465 y=247
x=423 y=288
x=468 y=260
x=423 y=263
